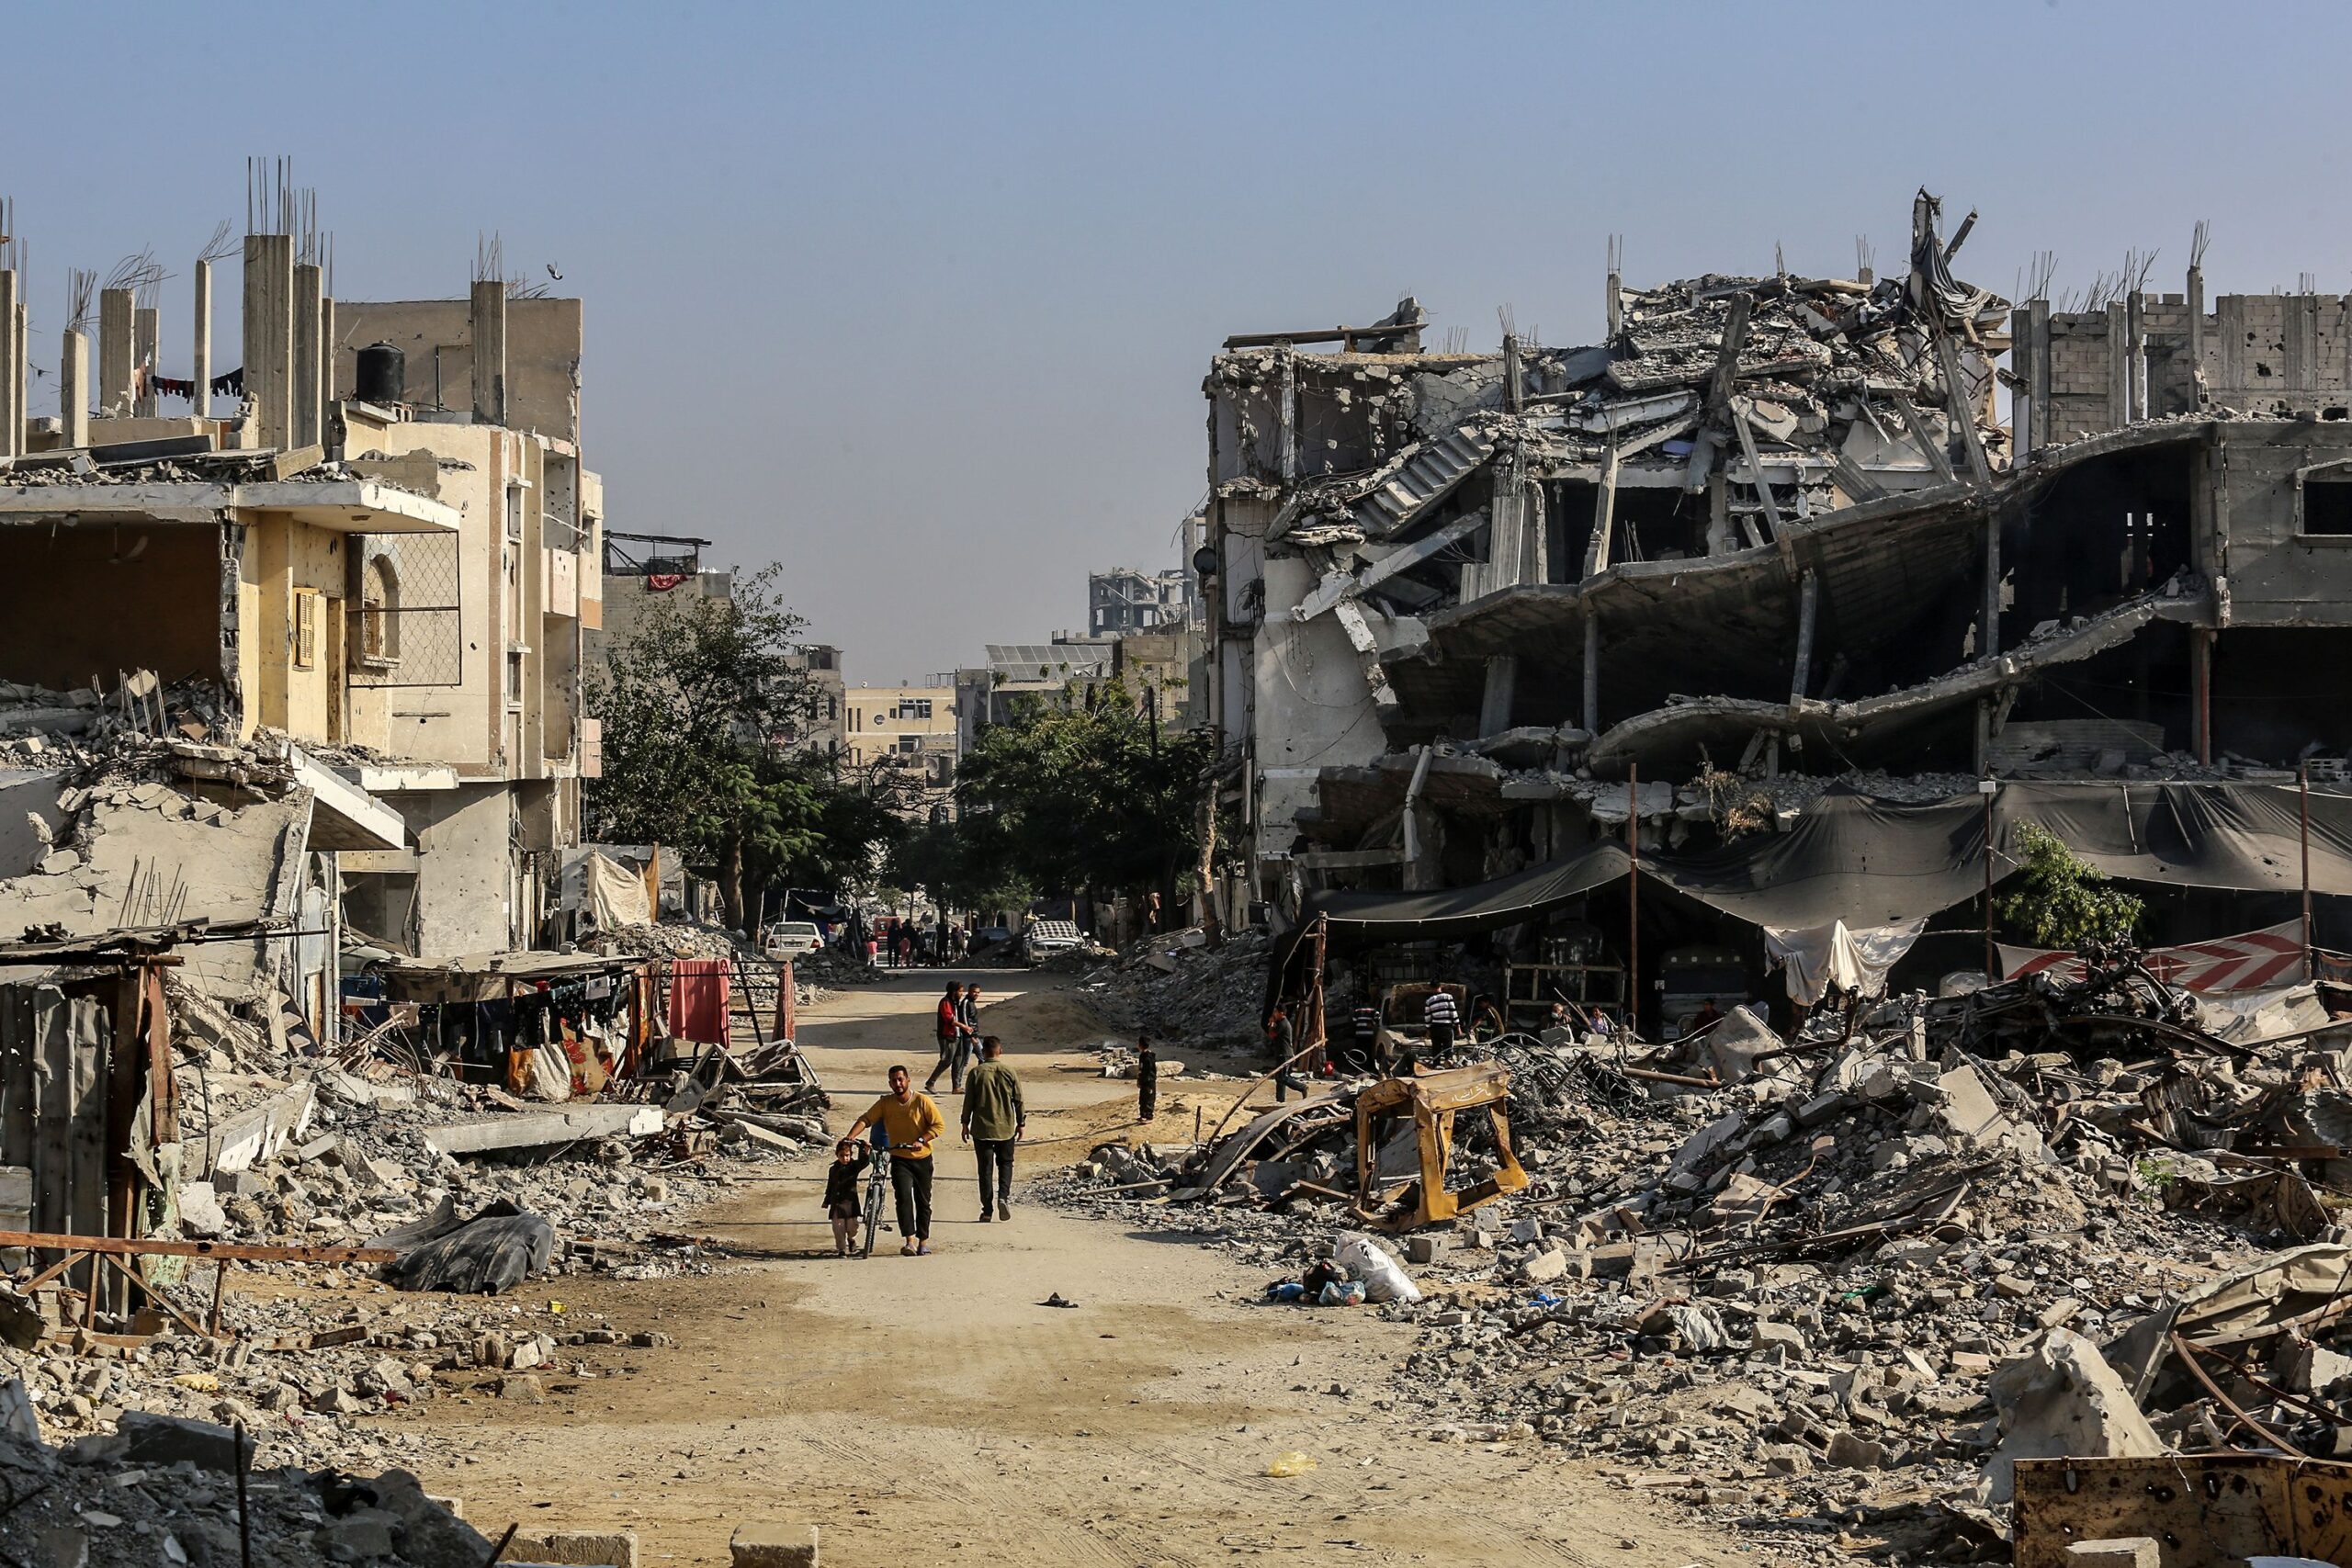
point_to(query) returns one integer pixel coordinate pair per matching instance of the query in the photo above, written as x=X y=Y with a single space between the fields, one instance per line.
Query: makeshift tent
x=1853 y=880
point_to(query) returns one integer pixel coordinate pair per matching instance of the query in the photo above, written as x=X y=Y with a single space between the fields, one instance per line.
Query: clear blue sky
x=917 y=299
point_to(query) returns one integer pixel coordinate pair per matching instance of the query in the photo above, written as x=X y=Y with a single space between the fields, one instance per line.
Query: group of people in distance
x=909 y=1123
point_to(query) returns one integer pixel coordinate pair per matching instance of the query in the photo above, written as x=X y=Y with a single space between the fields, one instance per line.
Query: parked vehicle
x=1689 y=977
x=793 y=939
x=1045 y=938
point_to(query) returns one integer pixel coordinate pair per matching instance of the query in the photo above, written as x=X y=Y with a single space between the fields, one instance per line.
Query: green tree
x=1085 y=794
x=2062 y=901
x=964 y=864
x=700 y=705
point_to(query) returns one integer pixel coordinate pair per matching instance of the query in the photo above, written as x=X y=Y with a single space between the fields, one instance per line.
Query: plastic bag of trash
x=1290 y=1463
x=1341 y=1293
x=1366 y=1260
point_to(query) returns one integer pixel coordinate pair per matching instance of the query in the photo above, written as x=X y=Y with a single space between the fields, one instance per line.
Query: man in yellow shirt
x=912 y=1121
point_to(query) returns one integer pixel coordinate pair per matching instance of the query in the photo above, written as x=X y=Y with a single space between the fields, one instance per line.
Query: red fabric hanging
x=698 y=1000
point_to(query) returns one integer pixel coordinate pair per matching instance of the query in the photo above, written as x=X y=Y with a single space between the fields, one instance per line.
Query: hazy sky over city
x=917 y=299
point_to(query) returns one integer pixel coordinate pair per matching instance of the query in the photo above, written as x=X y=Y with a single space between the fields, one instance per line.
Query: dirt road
x=926 y=1409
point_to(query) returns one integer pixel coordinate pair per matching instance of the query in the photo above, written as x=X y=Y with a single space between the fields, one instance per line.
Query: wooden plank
x=52 y=1151
x=157 y=1246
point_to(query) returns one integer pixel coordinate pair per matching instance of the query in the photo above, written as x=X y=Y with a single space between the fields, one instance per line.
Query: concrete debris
x=1865 y=1265
x=1195 y=994
x=2061 y=1400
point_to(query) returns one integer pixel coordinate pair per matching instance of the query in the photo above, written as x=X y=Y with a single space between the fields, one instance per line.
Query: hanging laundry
x=698 y=1000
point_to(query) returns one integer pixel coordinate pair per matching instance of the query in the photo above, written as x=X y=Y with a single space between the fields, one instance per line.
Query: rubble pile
x=1866 y=1268
x=165 y=1491
x=1184 y=990
x=475 y=1192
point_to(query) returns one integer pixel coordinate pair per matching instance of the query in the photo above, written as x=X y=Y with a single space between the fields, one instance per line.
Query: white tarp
x=612 y=895
x=1855 y=960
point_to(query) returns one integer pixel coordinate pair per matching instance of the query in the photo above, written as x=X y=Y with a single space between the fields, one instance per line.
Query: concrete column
x=2118 y=367
x=1502 y=686
x=303 y=350
x=269 y=332
x=73 y=388
x=2199 y=380
x=1591 y=673
x=114 y=352
x=12 y=347
x=2044 y=427
x=326 y=367
x=146 y=330
x=203 y=314
x=490 y=352
x=2135 y=363
x=23 y=373
x=1808 y=607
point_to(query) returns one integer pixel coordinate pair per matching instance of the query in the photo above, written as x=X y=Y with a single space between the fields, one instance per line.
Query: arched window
x=380 y=612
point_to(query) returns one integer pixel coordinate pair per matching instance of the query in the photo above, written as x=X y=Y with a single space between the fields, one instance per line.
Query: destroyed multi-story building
x=347 y=616
x=1775 y=550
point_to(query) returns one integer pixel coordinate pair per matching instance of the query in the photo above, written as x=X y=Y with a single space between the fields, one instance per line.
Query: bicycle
x=876 y=1194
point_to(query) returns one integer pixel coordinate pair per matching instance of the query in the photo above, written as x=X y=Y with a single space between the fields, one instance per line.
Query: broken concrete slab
x=2062 y=1400
x=774 y=1546
x=537 y=1129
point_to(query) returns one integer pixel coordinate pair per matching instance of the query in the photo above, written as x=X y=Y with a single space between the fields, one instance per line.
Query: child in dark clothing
x=1147 y=1079
x=840 y=1194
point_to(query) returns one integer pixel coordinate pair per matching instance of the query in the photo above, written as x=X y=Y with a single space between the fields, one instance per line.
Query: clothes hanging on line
x=698 y=998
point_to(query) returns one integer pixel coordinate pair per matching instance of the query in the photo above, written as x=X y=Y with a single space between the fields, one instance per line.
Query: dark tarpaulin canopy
x=1867 y=863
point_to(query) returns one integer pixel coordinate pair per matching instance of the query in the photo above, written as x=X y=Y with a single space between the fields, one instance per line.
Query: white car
x=793 y=939
x=1045 y=938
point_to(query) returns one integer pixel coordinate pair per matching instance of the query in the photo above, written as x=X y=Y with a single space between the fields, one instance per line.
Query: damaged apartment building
x=331 y=598
x=1788 y=570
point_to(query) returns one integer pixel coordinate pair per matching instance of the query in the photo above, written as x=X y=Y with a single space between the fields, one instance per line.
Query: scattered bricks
x=2009 y=1287
x=1421 y=1249
x=1851 y=1452
x=525 y=1387
x=525 y=1355
x=1787 y=1458
x=775 y=1546
x=584 y=1549
x=2125 y=1551
x=1765 y=1334
x=1545 y=1267
x=2066 y=1309
x=2311 y=1368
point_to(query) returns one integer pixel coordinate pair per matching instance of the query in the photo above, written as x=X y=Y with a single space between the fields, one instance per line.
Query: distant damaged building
x=1773 y=537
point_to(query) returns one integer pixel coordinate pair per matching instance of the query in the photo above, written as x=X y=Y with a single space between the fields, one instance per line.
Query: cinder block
x=2125 y=1551
x=578 y=1549
x=777 y=1546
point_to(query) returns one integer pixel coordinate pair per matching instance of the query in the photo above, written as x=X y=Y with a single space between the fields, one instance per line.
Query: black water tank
x=383 y=374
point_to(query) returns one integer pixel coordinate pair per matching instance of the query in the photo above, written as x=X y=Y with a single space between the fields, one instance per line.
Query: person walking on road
x=911 y=1122
x=967 y=1018
x=840 y=1194
x=1283 y=1041
x=1147 y=1079
x=994 y=1120
x=950 y=1031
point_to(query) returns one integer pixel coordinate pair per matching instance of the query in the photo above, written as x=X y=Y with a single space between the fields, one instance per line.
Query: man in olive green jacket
x=993 y=1123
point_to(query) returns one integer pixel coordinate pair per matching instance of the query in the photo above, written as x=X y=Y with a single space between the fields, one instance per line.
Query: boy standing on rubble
x=1147 y=1079
x=912 y=1124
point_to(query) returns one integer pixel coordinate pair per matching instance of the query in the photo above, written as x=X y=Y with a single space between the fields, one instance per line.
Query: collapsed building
x=306 y=659
x=1775 y=559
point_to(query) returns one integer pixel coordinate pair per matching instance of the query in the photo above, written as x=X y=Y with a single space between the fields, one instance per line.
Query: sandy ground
x=931 y=1409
